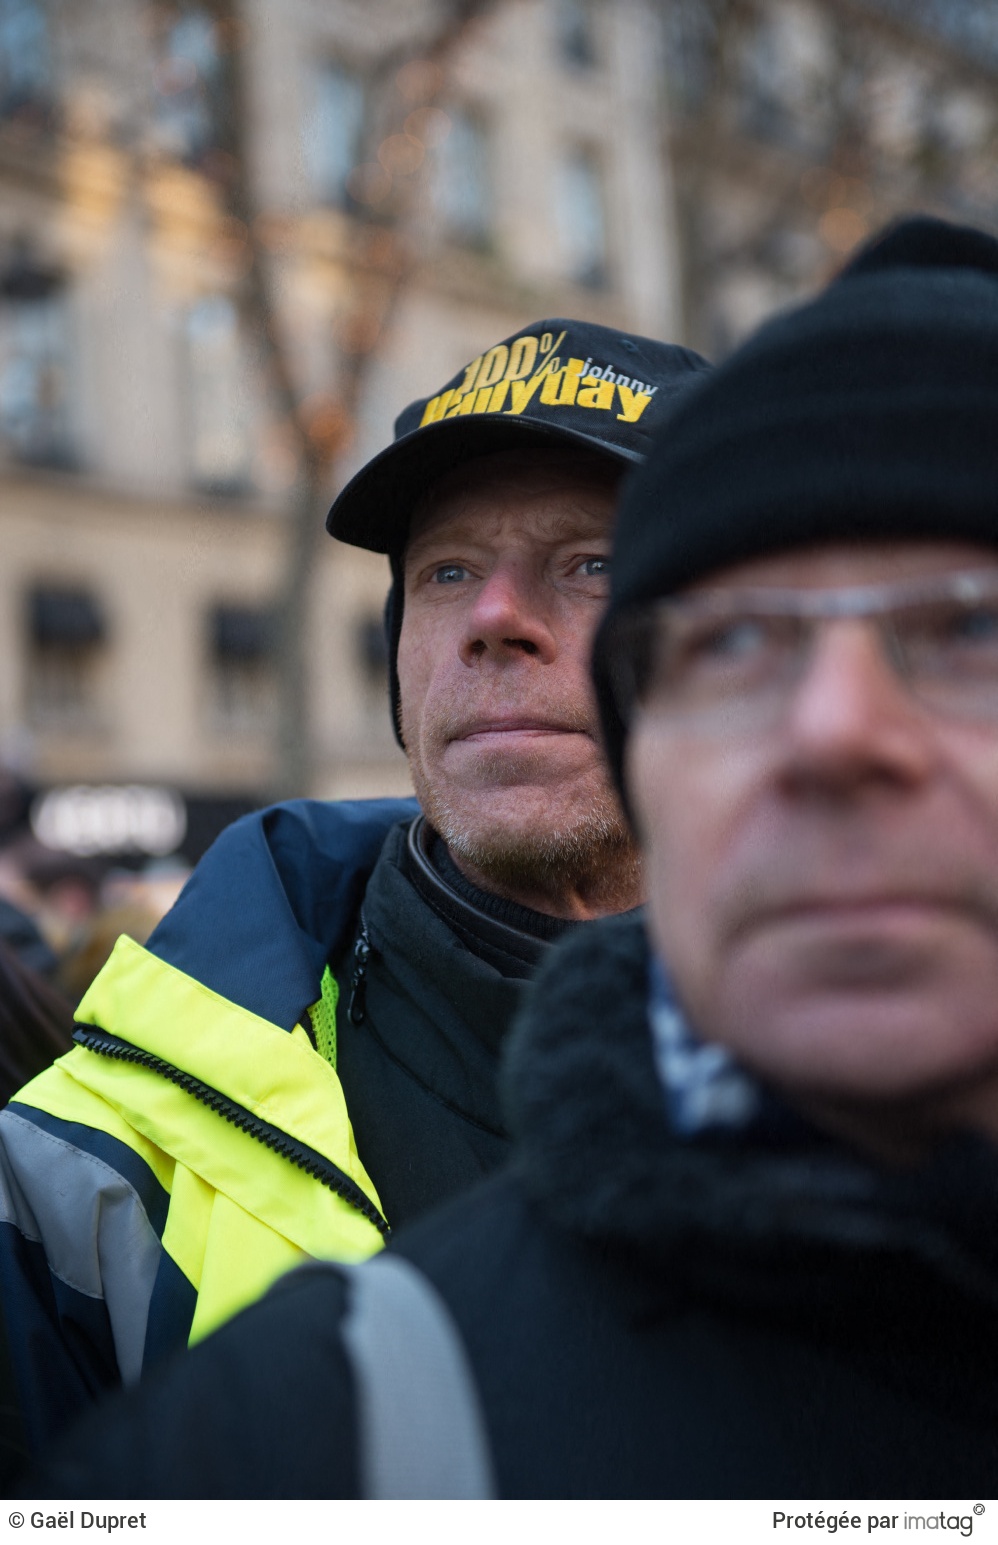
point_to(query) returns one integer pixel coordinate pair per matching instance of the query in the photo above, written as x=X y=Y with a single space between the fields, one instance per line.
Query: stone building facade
x=798 y=127
x=677 y=167
x=144 y=479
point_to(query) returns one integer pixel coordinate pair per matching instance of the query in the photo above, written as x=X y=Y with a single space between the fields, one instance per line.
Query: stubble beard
x=593 y=854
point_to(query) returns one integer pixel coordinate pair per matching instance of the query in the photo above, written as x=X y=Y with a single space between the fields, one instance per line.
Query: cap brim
x=375 y=507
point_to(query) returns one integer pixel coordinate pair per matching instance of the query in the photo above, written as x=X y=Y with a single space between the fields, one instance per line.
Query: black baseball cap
x=558 y=382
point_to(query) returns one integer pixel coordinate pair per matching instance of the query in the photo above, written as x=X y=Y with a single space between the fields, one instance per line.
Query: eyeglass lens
x=707 y=661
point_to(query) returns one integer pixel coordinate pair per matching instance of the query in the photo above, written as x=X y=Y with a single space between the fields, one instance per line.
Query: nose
x=510 y=617
x=852 y=719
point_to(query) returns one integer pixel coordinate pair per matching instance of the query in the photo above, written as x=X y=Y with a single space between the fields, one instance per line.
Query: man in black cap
x=749 y=1244
x=304 y=1054
x=495 y=505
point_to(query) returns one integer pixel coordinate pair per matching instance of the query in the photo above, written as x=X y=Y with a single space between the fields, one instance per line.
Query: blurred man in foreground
x=304 y=1055
x=749 y=1246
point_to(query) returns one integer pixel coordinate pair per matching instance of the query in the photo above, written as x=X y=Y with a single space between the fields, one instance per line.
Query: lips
x=832 y=905
x=884 y=911
x=518 y=725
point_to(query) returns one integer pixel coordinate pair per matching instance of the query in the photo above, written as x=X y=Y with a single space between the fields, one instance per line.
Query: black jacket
x=644 y=1317
x=421 y=1017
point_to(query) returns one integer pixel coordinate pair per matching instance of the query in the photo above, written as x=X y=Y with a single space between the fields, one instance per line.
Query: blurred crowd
x=60 y=916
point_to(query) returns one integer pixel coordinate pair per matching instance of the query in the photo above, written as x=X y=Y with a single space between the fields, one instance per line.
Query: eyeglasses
x=728 y=660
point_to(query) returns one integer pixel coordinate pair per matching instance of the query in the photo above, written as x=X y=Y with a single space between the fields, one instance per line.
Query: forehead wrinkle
x=493 y=487
x=483 y=523
x=829 y=565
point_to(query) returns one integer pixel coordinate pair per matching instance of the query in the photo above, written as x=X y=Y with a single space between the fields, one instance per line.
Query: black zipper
x=300 y=1154
x=357 y=1006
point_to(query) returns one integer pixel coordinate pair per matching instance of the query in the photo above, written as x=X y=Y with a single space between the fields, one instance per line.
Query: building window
x=335 y=134
x=241 y=650
x=25 y=62
x=219 y=412
x=463 y=182
x=581 y=219
x=690 y=47
x=575 y=29
x=34 y=330
x=784 y=86
x=188 y=82
x=66 y=633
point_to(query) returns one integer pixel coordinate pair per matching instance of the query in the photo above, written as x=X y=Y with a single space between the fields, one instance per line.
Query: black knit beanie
x=869 y=414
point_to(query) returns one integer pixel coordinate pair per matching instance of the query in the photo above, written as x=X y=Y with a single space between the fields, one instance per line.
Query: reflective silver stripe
x=91 y=1222
x=422 y=1435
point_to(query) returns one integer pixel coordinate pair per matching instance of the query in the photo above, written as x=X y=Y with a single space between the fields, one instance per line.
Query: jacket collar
x=596 y=1149
x=273 y=897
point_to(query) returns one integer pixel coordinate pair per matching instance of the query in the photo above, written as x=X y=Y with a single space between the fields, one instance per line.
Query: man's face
x=506 y=578
x=824 y=890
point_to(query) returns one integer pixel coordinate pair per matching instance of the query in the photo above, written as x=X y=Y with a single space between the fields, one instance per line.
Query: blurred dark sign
x=132 y=821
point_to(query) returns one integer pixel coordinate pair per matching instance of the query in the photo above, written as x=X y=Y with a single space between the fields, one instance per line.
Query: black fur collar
x=595 y=1151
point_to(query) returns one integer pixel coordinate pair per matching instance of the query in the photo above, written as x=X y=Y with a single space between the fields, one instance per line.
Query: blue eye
x=449 y=574
x=974 y=625
x=596 y=568
x=740 y=639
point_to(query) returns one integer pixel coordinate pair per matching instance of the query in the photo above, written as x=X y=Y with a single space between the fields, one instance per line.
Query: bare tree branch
x=383 y=256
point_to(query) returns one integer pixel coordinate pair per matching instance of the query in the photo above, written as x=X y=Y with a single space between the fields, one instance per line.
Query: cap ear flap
x=613 y=729
x=394 y=602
